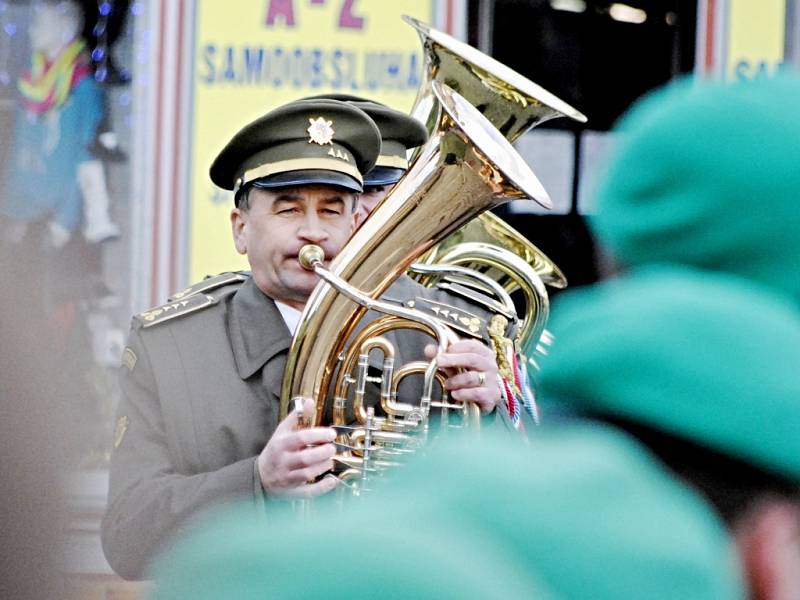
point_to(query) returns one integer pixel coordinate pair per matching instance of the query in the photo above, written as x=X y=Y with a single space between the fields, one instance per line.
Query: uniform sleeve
x=149 y=501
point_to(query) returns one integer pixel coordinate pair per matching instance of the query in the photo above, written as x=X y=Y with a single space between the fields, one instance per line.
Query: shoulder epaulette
x=178 y=308
x=193 y=298
x=210 y=283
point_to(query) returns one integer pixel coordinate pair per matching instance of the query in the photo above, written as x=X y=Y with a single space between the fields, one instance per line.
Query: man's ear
x=769 y=545
x=354 y=219
x=238 y=225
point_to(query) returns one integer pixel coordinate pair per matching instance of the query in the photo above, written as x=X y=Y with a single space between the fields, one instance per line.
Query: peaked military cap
x=399 y=132
x=311 y=141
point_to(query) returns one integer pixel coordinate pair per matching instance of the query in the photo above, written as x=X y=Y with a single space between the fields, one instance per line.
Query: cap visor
x=383 y=176
x=309 y=177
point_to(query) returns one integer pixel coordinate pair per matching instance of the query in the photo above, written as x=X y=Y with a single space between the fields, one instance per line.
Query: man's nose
x=312 y=229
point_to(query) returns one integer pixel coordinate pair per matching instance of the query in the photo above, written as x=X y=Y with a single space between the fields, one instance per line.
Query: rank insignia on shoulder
x=210 y=283
x=171 y=310
x=120 y=429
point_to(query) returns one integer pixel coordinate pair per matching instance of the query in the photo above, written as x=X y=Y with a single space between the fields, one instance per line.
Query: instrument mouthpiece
x=310 y=255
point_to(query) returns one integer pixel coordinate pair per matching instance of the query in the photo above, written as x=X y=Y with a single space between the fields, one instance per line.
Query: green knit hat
x=235 y=556
x=584 y=509
x=581 y=513
x=708 y=175
x=708 y=357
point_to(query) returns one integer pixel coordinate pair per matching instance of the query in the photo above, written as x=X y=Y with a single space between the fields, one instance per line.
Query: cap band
x=397 y=162
x=298 y=164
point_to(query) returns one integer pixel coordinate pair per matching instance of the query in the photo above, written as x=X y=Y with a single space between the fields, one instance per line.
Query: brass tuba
x=465 y=168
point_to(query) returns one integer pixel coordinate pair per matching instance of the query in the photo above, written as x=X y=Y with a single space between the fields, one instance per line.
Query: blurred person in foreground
x=687 y=350
x=580 y=513
x=36 y=430
x=701 y=368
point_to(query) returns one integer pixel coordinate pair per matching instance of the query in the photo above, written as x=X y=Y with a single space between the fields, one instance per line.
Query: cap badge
x=320 y=131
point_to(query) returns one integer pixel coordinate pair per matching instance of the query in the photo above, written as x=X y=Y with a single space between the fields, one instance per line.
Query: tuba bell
x=514 y=105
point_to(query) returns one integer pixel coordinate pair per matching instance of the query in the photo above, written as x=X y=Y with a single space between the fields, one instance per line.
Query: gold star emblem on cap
x=320 y=131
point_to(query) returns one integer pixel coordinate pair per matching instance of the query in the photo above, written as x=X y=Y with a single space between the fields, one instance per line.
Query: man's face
x=368 y=200
x=279 y=223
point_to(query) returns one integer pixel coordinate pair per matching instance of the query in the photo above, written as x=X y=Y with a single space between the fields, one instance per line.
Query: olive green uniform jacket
x=200 y=399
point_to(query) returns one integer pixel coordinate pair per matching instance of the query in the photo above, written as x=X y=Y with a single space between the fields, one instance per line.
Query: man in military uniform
x=198 y=422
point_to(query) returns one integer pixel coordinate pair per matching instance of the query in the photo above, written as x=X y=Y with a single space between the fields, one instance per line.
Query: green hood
x=708 y=175
x=709 y=357
x=580 y=513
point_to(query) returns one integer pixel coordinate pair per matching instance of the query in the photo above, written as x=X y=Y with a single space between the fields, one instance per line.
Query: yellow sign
x=253 y=56
x=756 y=37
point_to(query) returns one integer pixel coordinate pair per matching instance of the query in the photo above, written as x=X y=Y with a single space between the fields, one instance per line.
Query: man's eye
x=287 y=211
x=331 y=211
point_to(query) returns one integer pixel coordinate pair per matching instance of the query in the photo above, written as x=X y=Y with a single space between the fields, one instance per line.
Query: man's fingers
x=469 y=345
x=484 y=398
x=310 y=437
x=289 y=423
x=297 y=439
x=314 y=471
x=310 y=490
x=299 y=477
x=308 y=457
x=308 y=409
x=295 y=417
x=467 y=360
x=323 y=486
x=468 y=354
x=468 y=379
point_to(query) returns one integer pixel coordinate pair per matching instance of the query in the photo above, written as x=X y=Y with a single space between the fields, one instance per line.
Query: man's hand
x=293 y=457
x=478 y=380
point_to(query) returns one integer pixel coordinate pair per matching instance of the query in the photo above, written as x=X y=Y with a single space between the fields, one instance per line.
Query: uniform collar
x=257 y=330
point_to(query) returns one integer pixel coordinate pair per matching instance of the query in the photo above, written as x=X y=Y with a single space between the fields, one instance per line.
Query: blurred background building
x=176 y=77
